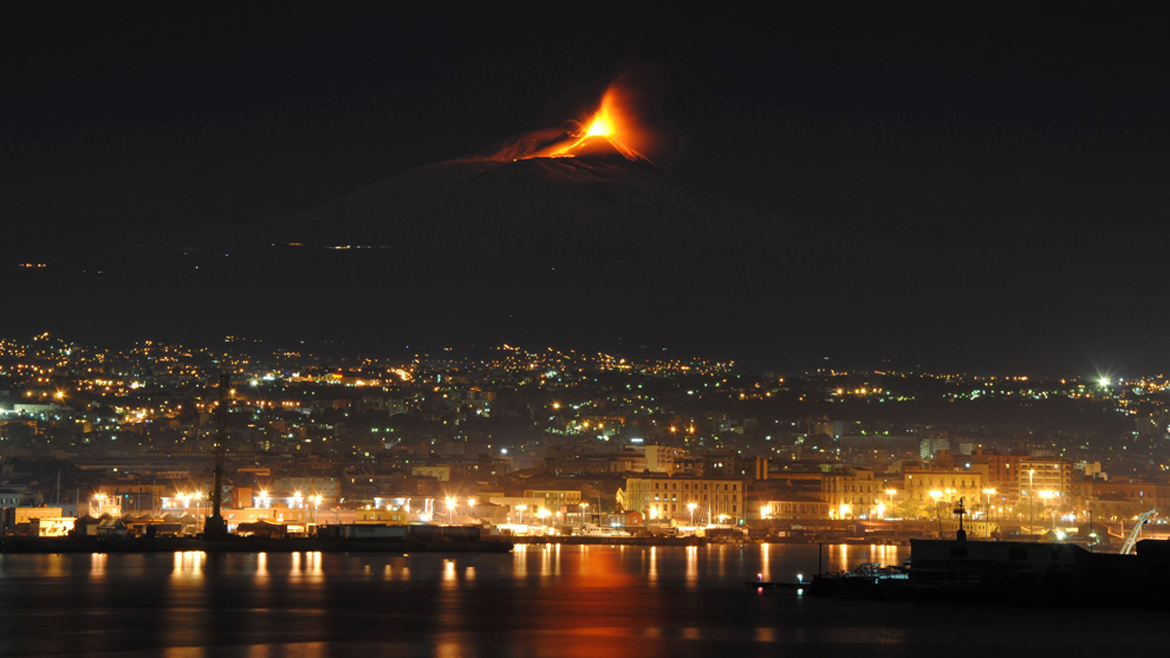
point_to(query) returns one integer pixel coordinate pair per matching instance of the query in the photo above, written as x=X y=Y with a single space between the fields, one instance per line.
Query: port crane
x=1131 y=540
x=215 y=527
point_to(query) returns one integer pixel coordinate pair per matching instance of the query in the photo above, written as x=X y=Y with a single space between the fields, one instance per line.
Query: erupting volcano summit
x=617 y=129
x=605 y=133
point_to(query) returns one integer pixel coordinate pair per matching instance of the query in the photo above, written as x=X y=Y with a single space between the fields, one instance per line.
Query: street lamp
x=1031 y=502
x=936 y=494
x=199 y=507
x=692 y=507
x=987 y=493
x=450 y=510
x=1046 y=495
x=584 y=506
x=316 y=506
x=470 y=507
x=890 y=493
x=521 y=509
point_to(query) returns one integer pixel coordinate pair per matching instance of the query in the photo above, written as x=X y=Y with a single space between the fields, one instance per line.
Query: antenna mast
x=214 y=527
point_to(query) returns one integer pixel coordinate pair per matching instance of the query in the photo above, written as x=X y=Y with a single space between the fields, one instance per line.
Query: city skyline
x=602 y=330
x=545 y=433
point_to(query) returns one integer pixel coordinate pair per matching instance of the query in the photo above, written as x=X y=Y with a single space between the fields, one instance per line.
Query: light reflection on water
x=188 y=565
x=97 y=562
x=597 y=601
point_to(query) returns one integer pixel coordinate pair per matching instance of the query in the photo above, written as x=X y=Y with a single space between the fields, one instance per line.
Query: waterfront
x=537 y=601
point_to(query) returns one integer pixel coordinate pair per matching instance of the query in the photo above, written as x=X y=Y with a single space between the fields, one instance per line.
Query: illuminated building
x=850 y=493
x=1037 y=475
x=1118 y=498
x=928 y=488
x=672 y=497
x=665 y=459
x=790 y=507
x=555 y=499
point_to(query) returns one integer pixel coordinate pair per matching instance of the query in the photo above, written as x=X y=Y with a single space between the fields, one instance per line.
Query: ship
x=961 y=570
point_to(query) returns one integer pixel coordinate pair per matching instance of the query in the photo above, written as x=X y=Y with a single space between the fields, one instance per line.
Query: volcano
x=588 y=248
x=553 y=238
x=569 y=236
x=486 y=210
x=592 y=246
x=546 y=199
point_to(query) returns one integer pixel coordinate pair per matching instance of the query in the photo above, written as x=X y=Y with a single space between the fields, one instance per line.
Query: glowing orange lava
x=600 y=125
x=608 y=126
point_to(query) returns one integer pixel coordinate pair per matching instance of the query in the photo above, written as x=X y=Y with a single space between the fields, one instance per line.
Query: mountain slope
x=485 y=209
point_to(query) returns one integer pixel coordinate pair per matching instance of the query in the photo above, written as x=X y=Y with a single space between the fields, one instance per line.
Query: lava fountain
x=614 y=127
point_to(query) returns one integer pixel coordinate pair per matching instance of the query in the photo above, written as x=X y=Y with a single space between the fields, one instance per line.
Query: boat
x=869 y=572
x=591 y=530
x=1013 y=572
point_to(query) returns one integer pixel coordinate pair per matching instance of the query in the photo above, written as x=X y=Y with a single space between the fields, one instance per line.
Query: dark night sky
x=1013 y=137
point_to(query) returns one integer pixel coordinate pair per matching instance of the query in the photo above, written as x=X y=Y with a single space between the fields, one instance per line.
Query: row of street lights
x=937 y=495
x=542 y=514
x=691 y=507
x=452 y=501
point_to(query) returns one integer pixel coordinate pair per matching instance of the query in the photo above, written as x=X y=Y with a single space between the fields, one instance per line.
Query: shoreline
x=38 y=545
x=46 y=545
x=573 y=540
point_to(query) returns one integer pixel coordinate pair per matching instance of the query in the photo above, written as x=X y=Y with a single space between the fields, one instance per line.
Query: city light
x=641 y=414
x=266 y=259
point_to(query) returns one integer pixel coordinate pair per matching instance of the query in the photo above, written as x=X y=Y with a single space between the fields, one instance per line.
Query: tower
x=214 y=527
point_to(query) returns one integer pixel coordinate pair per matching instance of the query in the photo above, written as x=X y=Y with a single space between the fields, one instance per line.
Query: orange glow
x=611 y=127
x=600 y=126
